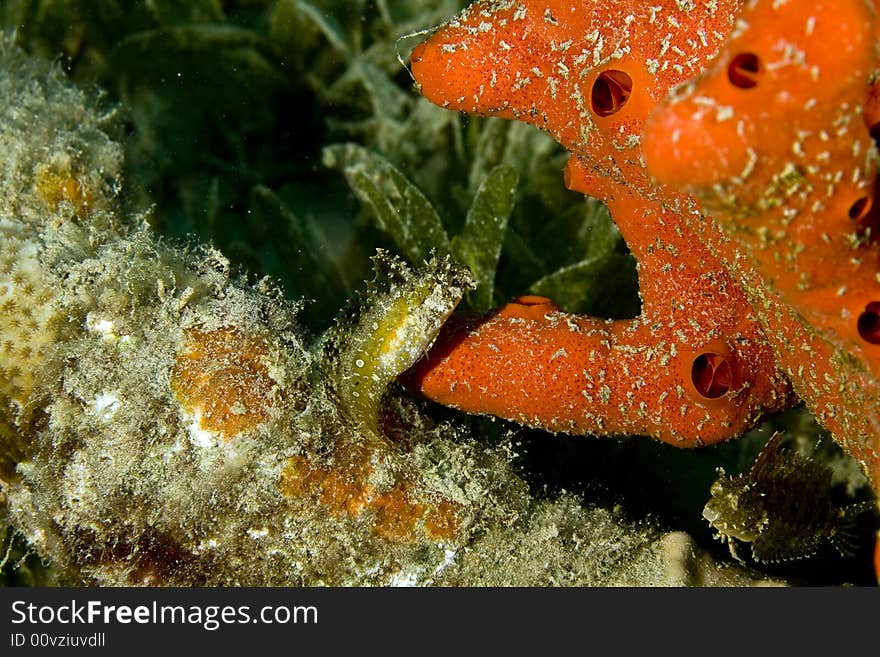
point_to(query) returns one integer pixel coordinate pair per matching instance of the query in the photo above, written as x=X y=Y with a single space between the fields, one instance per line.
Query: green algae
x=399 y=207
x=230 y=104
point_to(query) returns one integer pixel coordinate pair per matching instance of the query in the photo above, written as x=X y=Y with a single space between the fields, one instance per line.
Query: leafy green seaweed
x=253 y=119
x=400 y=208
x=479 y=243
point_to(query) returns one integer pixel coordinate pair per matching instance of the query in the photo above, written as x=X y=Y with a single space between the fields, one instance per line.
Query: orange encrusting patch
x=400 y=513
x=57 y=187
x=222 y=377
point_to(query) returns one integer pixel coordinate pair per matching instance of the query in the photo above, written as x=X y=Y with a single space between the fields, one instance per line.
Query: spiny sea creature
x=782 y=508
x=384 y=332
x=389 y=328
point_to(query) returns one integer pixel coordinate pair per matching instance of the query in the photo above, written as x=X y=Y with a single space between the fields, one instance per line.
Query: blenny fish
x=783 y=508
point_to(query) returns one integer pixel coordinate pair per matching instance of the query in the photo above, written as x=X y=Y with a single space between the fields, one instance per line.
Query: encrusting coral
x=165 y=422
